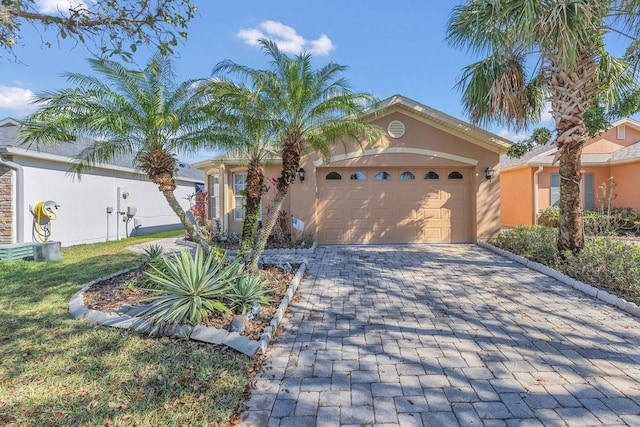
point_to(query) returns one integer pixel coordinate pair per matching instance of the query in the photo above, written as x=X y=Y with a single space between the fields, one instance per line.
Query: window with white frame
x=239 y=186
x=214 y=198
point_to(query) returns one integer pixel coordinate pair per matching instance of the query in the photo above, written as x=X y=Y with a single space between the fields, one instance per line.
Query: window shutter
x=555 y=189
x=589 y=191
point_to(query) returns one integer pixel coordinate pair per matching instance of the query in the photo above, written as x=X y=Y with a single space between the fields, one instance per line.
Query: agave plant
x=190 y=286
x=246 y=290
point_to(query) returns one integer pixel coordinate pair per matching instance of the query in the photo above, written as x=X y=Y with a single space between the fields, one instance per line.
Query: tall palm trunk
x=571 y=230
x=188 y=225
x=291 y=151
x=572 y=93
x=254 y=191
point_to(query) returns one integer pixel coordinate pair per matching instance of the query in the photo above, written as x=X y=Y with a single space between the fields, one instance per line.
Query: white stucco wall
x=82 y=216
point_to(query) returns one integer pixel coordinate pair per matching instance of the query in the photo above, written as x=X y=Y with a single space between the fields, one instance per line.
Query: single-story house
x=532 y=183
x=431 y=179
x=88 y=207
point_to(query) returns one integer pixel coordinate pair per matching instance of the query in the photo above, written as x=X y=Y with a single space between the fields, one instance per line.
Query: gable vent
x=395 y=129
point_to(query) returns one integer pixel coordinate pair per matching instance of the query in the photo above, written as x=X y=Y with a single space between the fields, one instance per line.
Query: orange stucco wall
x=514 y=182
x=516 y=201
x=627 y=177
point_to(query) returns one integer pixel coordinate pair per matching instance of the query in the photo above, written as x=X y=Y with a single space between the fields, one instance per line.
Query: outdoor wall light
x=488 y=172
x=301 y=173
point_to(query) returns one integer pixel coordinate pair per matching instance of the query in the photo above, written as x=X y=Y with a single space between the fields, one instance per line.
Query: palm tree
x=125 y=111
x=308 y=108
x=539 y=49
x=249 y=137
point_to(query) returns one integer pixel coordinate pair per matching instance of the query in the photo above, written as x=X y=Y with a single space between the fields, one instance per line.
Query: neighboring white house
x=29 y=175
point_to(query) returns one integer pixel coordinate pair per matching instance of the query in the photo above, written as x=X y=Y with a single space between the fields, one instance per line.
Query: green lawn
x=55 y=370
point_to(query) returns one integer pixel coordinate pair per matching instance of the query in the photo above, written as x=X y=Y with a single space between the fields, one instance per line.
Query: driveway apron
x=445 y=335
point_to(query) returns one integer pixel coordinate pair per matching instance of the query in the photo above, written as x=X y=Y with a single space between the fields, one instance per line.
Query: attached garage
x=431 y=178
x=394 y=205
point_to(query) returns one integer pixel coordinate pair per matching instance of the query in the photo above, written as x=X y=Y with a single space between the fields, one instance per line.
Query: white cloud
x=287 y=38
x=59 y=6
x=16 y=98
x=322 y=45
x=513 y=136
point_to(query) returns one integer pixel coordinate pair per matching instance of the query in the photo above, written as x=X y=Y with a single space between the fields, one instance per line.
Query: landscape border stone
x=120 y=319
x=600 y=294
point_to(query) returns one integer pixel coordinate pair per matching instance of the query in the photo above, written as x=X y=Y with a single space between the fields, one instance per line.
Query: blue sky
x=390 y=48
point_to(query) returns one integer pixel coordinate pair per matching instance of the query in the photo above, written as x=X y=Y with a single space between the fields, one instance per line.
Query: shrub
x=616 y=221
x=247 y=289
x=607 y=262
x=191 y=287
x=536 y=242
x=549 y=217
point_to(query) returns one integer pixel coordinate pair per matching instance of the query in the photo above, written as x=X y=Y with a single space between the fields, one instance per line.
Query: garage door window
x=383 y=176
x=358 y=176
x=431 y=175
x=405 y=176
x=455 y=175
x=333 y=175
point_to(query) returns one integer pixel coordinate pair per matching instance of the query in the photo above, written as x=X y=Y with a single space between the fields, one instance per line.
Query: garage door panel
x=430 y=213
x=332 y=194
x=394 y=211
x=358 y=194
x=359 y=235
x=358 y=214
x=333 y=235
x=333 y=214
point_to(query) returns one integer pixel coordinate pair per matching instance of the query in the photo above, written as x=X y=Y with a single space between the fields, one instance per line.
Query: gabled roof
x=442 y=121
x=233 y=157
x=433 y=117
x=543 y=155
x=65 y=152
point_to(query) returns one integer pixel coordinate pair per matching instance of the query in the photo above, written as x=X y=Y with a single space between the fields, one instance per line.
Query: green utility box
x=16 y=251
x=49 y=251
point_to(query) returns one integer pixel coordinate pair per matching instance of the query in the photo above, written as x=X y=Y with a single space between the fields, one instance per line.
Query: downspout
x=535 y=194
x=19 y=196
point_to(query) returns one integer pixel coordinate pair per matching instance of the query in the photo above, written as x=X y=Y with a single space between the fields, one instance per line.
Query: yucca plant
x=246 y=290
x=191 y=287
x=153 y=251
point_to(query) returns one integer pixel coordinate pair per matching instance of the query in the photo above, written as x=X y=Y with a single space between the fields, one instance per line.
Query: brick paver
x=445 y=335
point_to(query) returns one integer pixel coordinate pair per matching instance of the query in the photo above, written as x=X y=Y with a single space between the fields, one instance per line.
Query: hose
x=43 y=214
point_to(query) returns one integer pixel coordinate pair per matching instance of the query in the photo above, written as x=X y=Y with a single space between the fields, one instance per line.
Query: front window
x=239 y=187
x=214 y=199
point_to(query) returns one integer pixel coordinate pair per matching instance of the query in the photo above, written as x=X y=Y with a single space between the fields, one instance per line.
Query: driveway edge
x=600 y=294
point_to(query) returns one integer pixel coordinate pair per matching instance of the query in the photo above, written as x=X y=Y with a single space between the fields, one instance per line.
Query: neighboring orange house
x=424 y=182
x=531 y=183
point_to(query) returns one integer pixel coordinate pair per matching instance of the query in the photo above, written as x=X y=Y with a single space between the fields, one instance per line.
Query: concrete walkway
x=445 y=335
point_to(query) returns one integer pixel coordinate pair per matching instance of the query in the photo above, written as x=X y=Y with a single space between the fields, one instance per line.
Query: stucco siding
x=516 y=192
x=627 y=177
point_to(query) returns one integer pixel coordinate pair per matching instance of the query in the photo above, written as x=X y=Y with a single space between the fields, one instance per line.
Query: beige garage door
x=377 y=205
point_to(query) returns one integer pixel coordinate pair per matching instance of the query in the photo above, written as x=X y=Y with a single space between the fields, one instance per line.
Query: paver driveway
x=445 y=335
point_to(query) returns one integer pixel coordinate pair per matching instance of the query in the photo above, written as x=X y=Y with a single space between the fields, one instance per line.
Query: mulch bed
x=108 y=295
